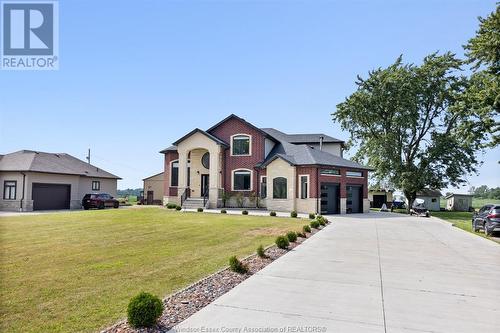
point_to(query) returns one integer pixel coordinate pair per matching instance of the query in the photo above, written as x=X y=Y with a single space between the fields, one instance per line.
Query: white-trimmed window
x=241 y=145
x=280 y=188
x=174 y=173
x=96 y=185
x=9 y=189
x=263 y=187
x=304 y=186
x=352 y=173
x=242 y=180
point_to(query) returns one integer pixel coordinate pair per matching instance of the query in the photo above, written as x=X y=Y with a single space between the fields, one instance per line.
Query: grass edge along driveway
x=76 y=271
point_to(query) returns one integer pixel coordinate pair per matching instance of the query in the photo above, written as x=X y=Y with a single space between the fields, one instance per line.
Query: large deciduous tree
x=406 y=123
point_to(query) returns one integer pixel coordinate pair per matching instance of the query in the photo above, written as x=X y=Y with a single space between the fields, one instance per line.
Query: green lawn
x=462 y=220
x=76 y=271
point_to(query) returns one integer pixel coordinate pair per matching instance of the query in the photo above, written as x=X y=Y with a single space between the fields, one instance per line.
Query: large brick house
x=236 y=164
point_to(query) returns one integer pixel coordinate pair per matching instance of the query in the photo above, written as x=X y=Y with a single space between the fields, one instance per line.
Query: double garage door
x=50 y=196
x=330 y=198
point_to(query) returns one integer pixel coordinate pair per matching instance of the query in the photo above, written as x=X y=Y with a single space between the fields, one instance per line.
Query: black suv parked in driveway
x=100 y=200
x=487 y=219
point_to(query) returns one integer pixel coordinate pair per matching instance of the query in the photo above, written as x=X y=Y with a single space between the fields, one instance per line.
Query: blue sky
x=136 y=75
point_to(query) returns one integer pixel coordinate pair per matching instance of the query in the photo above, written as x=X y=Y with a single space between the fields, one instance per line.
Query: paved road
x=369 y=273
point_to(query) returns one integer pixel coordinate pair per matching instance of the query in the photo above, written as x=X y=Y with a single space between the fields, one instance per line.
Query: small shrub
x=321 y=219
x=293 y=213
x=314 y=224
x=200 y=210
x=312 y=216
x=272 y=214
x=245 y=212
x=292 y=236
x=322 y=222
x=261 y=252
x=237 y=266
x=306 y=228
x=144 y=310
x=301 y=234
x=223 y=211
x=178 y=207
x=171 y=205
x=282 y=242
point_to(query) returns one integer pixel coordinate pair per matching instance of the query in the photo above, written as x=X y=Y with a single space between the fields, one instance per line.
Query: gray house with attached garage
x=33 y=180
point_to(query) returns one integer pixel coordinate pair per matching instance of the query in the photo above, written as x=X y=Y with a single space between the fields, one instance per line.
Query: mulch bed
x=186 y=302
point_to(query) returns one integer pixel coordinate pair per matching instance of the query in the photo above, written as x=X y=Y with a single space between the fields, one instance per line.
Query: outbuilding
x=459 y=202
x=153 y=189
x=379 y=197
x=431 y=197
x=34 y=180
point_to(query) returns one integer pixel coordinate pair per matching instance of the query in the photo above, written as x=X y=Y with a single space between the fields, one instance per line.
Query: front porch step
x=193 y=203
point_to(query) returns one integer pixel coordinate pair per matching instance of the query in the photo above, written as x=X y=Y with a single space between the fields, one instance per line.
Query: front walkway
x=376 y=272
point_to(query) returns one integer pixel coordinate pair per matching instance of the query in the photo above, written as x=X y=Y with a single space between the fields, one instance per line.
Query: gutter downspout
x=22 y=197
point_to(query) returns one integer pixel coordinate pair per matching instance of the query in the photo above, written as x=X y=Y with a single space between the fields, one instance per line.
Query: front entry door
x=149 y=199
x=330 y=198
x=204 y=185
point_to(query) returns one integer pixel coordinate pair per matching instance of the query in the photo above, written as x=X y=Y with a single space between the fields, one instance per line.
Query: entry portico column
x=213 y=190
x=182 y=185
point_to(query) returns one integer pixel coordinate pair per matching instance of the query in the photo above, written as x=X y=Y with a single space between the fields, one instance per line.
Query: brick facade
x=224 y=132
x=169 y=157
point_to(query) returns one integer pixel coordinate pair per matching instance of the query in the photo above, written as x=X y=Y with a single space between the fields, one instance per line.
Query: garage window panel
x=9 y=189
x=96 y=185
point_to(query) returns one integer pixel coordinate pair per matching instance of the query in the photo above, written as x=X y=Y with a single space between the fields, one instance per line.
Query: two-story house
x=235 y=163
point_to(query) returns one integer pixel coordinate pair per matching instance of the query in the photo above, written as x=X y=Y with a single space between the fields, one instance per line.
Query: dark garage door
x=50 y=196
x=330 y=198
x=354 y=200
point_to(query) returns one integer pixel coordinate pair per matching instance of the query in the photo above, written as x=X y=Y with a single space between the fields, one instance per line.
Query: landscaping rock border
x=184 y=303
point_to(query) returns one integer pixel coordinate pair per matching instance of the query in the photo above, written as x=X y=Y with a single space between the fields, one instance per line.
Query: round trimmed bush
x=306 y=228
x=272 y=214
x=261 y=252
x=314 y=224
x=245 y=212
x=171 y=205
x=312 y=216
x=301 y=234
x=199 y=210
x=237 y=266
x=293 y=213
x=292 y=236
x=282 y=242
x=144 y=310
x=223 y=211
x=178 y=207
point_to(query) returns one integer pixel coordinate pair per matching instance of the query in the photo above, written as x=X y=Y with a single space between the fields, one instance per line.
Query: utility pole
x=88 y=156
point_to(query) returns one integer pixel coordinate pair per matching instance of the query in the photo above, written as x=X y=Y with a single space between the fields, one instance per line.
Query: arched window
x=279 y=188
x=242 y=180
x=240 y=144
x=174 y=174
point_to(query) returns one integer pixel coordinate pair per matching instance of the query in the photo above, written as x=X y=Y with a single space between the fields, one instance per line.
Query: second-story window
x=241 y=145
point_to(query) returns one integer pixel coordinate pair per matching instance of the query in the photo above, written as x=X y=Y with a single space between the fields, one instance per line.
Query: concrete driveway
x=378 y=272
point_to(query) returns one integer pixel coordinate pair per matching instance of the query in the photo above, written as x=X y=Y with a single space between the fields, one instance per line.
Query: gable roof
x=208 y=135
x=305 y=155
x=300 y=138
x=458 y=195
x=233 y=116
x=159 y=173
x=34 y=161
x=429 y=193
x=171 y=148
